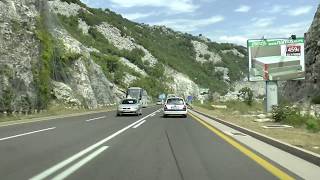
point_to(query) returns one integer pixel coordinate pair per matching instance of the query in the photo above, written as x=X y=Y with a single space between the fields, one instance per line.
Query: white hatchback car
x=175 y=106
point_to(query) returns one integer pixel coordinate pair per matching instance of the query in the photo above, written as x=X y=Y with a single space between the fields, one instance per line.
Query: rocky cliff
x=310 y=87
x=19 y=52
x=64 y=52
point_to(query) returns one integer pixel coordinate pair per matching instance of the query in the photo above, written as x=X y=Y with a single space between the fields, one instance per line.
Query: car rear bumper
x=180 y=112
x=127 y=112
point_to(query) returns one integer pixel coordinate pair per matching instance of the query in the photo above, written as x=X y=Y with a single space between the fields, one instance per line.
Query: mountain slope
x=80 y=56
x=173 y=48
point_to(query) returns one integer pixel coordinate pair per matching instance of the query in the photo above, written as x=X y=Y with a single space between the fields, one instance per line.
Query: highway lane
x=103 y=146
x=25 y=156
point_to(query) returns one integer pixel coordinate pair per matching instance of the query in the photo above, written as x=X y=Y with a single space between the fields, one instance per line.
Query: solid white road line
x=32 y=132
x=139 y=124
x=60 y=165
x=79 y=164
x=88 y=120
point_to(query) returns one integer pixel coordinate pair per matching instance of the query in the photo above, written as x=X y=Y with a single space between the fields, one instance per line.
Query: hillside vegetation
x=63 y=52
x=169 y=47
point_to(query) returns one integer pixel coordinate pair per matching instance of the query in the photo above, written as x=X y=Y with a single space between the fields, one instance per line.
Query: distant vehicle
x=171 y=95
x=175 y=106
x=159 y=102
x=144 y=99
x=138 y=93
x=129 y=106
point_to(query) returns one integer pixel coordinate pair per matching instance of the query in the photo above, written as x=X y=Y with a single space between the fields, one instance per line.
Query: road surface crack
x=174 y=156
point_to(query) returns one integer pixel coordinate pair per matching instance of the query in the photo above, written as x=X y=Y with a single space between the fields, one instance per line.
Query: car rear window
x=175 y=101
x=129 y=101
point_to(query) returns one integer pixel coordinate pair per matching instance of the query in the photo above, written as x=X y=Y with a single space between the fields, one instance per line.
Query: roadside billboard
x=162 y=96
x=276 y=59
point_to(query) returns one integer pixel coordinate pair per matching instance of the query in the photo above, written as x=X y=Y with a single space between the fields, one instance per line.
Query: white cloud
x=178 y=6
x=287 y=10
x=277 y=8
x=237 y=39
x=282 y=31
x=299 y=11
x=188 y=25
x=243 y=8
x=287 y=30
x=262 y=22
x=135 y=16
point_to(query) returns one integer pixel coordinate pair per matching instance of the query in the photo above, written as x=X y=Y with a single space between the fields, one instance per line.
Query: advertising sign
x=162 y=96
x=276 y=59
x=189 y=99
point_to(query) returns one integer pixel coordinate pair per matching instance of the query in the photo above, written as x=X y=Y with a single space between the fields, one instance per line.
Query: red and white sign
x=293 y=50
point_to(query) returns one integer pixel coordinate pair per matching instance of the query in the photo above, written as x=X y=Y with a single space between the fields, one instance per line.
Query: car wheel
x=118 y=114
x=185 y=116
x=164 y=116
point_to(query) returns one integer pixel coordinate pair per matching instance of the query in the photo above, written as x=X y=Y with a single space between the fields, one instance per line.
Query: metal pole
x=271 y=94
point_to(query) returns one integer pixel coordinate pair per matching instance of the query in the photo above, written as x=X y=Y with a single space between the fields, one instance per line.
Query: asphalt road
x=103 y=146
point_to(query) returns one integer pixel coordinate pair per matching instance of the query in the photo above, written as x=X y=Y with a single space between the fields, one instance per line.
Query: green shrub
x=90 y=19
x=108 y=63
x=237 y=66
x=74 y=2
x=134 y=56
x=316 y=100
x=289 y=115
x=281 y=113
x=247 y=95
x=6 y=100
x=313 y=124
x=295 y=119
x=42 y=70
x=157 y=71
x=207 y=56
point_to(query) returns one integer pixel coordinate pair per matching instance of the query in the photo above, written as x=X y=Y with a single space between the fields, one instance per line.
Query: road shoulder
x=305 y=169
x=46 y=118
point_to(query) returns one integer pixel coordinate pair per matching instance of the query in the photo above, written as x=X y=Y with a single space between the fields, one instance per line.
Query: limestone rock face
x=64 y=93
x=182 y=85
x=233 y=51
x=305 y=89
x=224 y=72
x=18 y=52
x=203 y=54
x=64 y=8
x=123 y=42
x=87 y=80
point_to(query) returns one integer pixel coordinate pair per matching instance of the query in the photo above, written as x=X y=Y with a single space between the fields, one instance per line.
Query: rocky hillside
x=65 y=52
x=309 y=89
x=19 y=55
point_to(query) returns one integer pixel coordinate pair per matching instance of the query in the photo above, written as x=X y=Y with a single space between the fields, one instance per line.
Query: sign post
x=271 y=94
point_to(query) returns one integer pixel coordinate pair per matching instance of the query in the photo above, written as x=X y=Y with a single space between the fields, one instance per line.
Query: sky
x=232 y=21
